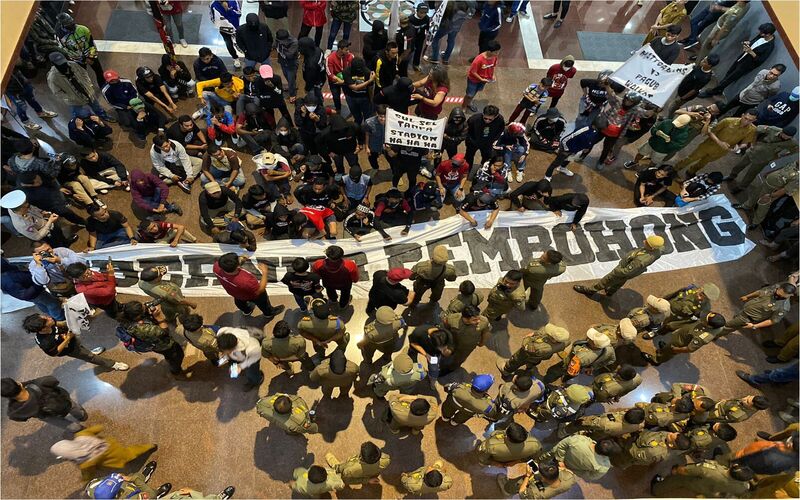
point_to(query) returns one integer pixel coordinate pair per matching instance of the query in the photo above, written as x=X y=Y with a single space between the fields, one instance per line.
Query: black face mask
x=63 y=68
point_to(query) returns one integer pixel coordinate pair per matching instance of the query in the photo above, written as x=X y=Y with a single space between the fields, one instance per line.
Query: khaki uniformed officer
x=322 y=328
x=362 y=468
x=201 y=336
x=508 y=447
x=622 y=334
x=506 y=295
x=586 y=356
x=516 y=396
x=335 y=371
x=649 y=318
x=284 y=348
x=688 y=338
x=584 y=456
x=538 y=271
x=632 y=265
x=555 y=480
x=606 y=425
x=431 y=275
x=381 y=334
x=411 y=411
x=773 y=143
x=315 y=481
x=563 y=403
x=288 y=412
x=776 y=184
x=688 y=305
x=737 y=410
x=401 y=373
x=763 y=308
x=706 y=479
x=470 y=329
x=649 y=447
x=169 y=295
x=427 y=480
x=537 y=346
x=123 y=486
x=610 y=387
x=710 y=437
x=467 y=400
x=467 y=296
x=662 y=414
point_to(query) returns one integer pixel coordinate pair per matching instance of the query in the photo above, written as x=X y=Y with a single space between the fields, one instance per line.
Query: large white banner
x=407 y=130
x=648 y=75
x=700 y=234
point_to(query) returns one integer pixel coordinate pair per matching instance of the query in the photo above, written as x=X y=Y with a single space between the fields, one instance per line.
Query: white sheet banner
x=700 y=234
x=413 y=131
x=648 y=75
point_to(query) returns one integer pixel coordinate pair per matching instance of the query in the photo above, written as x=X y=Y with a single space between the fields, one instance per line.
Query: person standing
x=508 y=447
x=285 y=348
x=764 y=85
x=536 y=347
x=147 y=330
x=754 y=53
x=550 y=480
x=313 y=17
x=587 y=458
x=729 y=134
x=168 y=294
x=243 y=351
x=667 y=48
x=778 y=183
x=410 y=412
x=335 y=371
x=288 y=58
x=314 y=65
x=21 y=92
x=672 y=14
x=364 y=468
x=203 y=337
x=771 y=144
x=344 y=14
x=335 y=64
x=358 y=80
x=489 y=24
x=288 y=412
x=42 y=398
x=455 y=14
x=315 y=480
x=431 y=275
x=506 y=295
x=560 y=74
x=78 y=42
x=420 y=21
x=481 y=72
x=538 y=271
x=725 y=24
x=247 y=291
x=465 y=401
x=483 y=129
x=469 y=330
x=18 y=283
x=559 y=12
x=338 y=275
x=226 y=15
x=691 y=84
x=762 y=308
x=427 y=480
x=781 y=110
x=100 y=289
x=666 y=137
x=69 y=82
x=633 y=264
x=255 y=40
x=88 y=450
x=172 y=12
x=707 y=479
x=276 y=13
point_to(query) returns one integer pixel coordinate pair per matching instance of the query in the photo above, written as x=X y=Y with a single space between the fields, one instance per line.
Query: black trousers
x=174 y=356
x=306 y=29
x=559 y=161
x=343 y=299
x=262 y=301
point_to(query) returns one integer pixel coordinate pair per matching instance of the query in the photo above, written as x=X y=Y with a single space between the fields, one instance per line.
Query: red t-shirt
x=426 y=109
x=449 y=176
x=163 y=230
x=101 y=291
x=482 y=66
x=241 y=286
x=317 y=216
x=560 y=79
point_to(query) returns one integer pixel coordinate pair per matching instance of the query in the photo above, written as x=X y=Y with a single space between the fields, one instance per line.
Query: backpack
x=132 y=343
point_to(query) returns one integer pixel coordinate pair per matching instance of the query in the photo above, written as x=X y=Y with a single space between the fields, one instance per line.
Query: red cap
x=398 y=274
x=110 y=75
x=266 y=70
x=457 y=160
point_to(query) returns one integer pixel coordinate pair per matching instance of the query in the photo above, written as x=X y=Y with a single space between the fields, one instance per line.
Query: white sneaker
x=47 y=114
x=509 y=176
x=565 y=171
x=509 y=19
x=426 y=173
x=98 y=350
x=236 y=63
x=548 y=179
x=31 y=126
x=520 y=176
x=199 y=113
x=184 y=43
x=120 y=367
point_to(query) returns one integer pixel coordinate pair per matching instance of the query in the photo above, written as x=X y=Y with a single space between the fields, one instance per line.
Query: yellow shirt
x=222 y=92
x=730 y=131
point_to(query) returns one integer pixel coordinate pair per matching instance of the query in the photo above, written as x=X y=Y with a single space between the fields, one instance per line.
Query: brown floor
x=209 y=434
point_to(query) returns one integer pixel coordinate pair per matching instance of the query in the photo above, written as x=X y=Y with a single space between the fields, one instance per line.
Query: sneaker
x=548 y=179
x=473 y=108
x=426 y=173
x=792 y=402
x=31 y=126
x=102 y=191
x=510 y=19
x=236 y=63
x=177 y=210
x=186 y=188
x=120 y=367
x=47 y=114
x=416 y=68
x=565 y=171
x=551 y=15
x=558 y=23
x=98 y=350
x=769 y=244
x=446 y=63
x=149 y=469
x=689 y=45
x=100 y=203
x=523 y=13
x=787 y=417
x=184 y=43
x=510 y=176
x=197 y=114
x=227 y=493
x=520 y=176
x=630 y=164
x=429 y=60
x=74 y=427
x=276 y=311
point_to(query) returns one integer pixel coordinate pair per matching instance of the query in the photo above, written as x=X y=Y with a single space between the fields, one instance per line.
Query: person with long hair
x=431 y=92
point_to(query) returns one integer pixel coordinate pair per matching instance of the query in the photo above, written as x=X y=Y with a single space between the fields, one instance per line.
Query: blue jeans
x=360 y=108
x=290 y=72
x=515 y=154
x=474 y=88
x=220 y=176
x=519 y=6
x=49 y=305
x=448 y=51
x=80 y=110
x=250 y=62
x=118 y=237
x=701 y=22
x=777 y=376
x=212 y=97
x=335 y=24
x=21 y=102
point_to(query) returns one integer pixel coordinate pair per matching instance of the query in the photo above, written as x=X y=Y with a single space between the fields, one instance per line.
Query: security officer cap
x=598 y=339
x=482 y=383
x=579 y=394
x=655 y=241
x=711 y=291
x=384 y=315
x=403 y=363
x=556 y=333
x=626 y=329
x=657 y=303
x=13 y=200
x=440 y=254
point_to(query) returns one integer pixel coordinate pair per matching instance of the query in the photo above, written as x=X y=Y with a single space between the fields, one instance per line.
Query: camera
x=537 y=475
x=152 y=304
x=46 y=254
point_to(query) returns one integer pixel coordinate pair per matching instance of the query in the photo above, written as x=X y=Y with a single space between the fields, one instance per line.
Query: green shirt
x=303 y=486
x=678 y=137
x=497 y=448
x=170 y=295
x=577 y=453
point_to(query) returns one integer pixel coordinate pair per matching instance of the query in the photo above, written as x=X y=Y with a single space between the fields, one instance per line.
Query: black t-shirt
x=113 y=224
x=648 y=176
x=352 y=78
x=695 y=80
x=49 y=342
x=667 y=53
x=420 y=337
x=249 y=202
x=471 y=203
x=596 y=92
x=383 y=293
x=305 y=284
x=177 y=134
x=143 y=86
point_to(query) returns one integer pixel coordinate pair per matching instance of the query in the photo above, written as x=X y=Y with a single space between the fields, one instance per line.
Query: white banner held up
x=648 y=75
x=705 y=233
x=413 y=131
x=436 y=21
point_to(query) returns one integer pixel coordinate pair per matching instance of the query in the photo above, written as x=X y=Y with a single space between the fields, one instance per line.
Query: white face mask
x=283 y=132
x=311 y=109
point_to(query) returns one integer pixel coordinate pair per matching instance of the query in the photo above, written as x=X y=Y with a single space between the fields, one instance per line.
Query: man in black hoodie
x=341 y=140
x=208 y=66
x=314 y=74
x=310 y=119
x=42 y=398
x=482 y=130
x=289 y=59
x=398 y=96
x=373 y=43
x=255 y=40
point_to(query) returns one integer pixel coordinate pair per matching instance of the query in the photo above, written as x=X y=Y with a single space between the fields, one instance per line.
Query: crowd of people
x=310 y=181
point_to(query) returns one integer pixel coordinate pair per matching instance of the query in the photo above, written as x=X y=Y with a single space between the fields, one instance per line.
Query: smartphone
x=234 y=370
x=221 y=361
x=434 y=360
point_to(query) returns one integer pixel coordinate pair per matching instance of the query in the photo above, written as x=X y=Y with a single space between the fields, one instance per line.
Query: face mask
x=283 y=132
x=311 y=109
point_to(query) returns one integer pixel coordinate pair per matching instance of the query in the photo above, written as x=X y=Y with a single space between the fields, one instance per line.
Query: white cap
x=659 y=304
x=626 y=329
x=600 y=340
x=13 y=199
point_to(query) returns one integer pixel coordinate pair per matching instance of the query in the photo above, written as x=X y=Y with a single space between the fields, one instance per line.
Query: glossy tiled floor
x=209 y=434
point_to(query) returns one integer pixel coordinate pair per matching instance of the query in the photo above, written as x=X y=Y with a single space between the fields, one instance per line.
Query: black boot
x=163 y=490
x=227 y=493
x=149 y=469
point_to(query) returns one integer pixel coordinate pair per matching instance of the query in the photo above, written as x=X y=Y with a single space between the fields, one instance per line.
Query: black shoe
x=227 y=493
x=656 y=479
x=746 y=378
x=764 y=435
x=770 y=344
x=275 y=311
x=774 y=360
x=650 y=359
x=177 y=210
x=162 y=490
x=249 y=387
x=583 y=290
x=149 y=469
